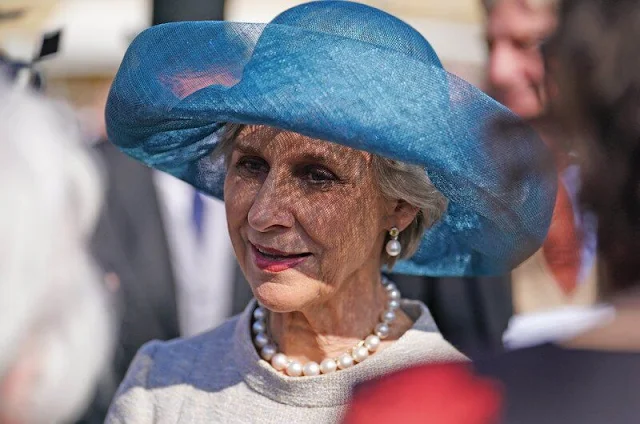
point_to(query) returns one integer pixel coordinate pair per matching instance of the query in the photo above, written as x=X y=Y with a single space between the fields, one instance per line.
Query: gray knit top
x=219 y=377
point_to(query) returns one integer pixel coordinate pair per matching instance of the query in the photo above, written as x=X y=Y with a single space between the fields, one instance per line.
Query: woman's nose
x=272 y=206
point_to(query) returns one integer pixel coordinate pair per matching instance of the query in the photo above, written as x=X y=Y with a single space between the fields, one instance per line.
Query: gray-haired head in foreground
x=54 y=314
x=396 y=180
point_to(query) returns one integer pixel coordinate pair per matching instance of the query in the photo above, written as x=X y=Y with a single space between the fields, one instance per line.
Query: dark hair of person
x=594 y=63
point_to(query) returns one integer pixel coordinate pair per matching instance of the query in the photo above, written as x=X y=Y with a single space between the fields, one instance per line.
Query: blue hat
x=350 y=74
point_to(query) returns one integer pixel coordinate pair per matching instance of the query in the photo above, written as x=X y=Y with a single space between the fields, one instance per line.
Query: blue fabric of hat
x=350 y=74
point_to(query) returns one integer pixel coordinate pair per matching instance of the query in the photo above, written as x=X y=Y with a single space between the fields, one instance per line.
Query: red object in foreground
x=434 y=394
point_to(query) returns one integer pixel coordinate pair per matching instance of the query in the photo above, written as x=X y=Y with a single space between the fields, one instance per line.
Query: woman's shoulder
x=424 y=338
x=178 y=356
x=167 y=363
x=162 y=371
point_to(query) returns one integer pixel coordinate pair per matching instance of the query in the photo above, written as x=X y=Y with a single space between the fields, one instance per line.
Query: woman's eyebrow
x=314 y=157
x=245 y=147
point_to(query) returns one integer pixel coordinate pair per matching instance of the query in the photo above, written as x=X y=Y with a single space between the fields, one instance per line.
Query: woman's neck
x=331 y=328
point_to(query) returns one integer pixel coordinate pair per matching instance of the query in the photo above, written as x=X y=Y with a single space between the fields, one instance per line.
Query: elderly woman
x=317 y=129
x=55 y=329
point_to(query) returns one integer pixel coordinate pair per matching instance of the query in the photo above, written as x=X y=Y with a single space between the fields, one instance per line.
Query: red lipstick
x=272 y=260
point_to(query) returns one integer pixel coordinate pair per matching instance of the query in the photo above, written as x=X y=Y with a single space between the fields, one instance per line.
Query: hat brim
x=180 y=83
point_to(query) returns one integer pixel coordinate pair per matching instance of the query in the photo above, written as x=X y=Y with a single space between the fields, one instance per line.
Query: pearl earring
x=394 y=248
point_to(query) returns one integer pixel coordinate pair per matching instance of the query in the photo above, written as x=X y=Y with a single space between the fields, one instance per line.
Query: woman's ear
x=402 y=215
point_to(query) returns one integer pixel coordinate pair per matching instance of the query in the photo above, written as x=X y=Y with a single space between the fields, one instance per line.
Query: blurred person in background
x=473 y=313
x=515 y=30
x=164 y=243
x=56 y=332
x=56 y=329
x=591 y=377
x=558 y=282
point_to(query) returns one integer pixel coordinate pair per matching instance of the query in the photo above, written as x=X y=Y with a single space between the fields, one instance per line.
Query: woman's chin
x=278 y=296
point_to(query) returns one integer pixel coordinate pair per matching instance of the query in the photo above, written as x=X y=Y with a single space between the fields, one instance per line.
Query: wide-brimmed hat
x=350 y=74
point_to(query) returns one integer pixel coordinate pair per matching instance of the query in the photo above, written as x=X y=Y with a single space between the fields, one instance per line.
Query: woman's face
x=304 y=216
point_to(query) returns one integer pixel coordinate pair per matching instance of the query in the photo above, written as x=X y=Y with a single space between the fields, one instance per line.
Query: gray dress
x=219 y=377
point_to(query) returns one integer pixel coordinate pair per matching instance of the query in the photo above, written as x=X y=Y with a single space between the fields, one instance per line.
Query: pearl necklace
x=360 y=352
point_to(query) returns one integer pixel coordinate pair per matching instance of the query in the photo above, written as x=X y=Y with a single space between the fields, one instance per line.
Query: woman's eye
x=252 y=165
x=318 y=174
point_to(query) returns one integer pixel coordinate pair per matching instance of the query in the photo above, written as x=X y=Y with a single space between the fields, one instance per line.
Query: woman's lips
x=272 y=260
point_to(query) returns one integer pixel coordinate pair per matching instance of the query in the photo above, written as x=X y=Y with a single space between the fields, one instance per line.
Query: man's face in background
x=515 y=30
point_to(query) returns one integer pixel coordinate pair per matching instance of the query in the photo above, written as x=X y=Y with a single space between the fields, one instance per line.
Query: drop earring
x=394 y=248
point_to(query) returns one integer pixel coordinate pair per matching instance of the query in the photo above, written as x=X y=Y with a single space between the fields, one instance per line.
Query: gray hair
x=54 y=312
x=411 y=184
x=396 y=180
